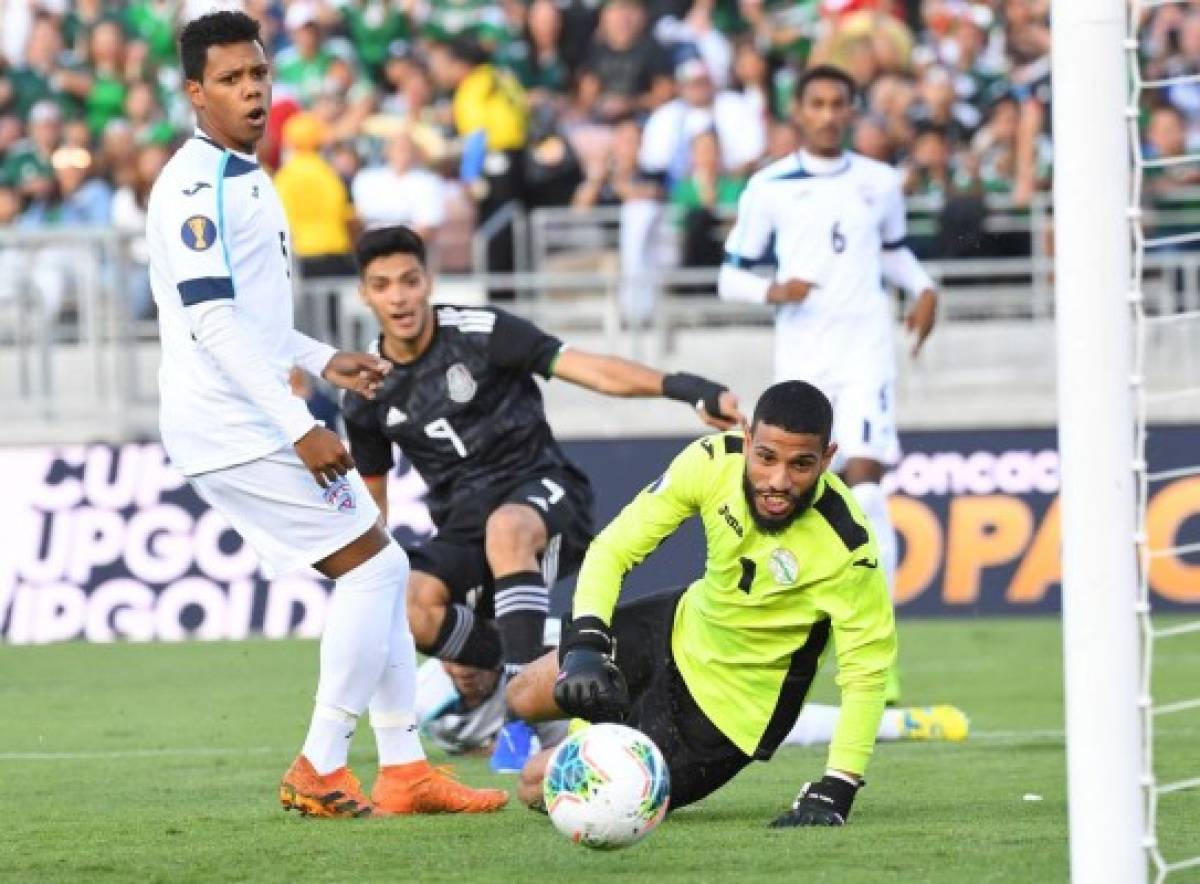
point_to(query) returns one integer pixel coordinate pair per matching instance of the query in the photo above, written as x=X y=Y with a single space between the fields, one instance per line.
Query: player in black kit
x=513 y=514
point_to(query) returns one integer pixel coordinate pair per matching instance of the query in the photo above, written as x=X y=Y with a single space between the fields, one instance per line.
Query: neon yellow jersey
x=749 y=633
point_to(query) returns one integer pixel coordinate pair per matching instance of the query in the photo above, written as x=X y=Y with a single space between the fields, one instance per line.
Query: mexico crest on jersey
x=784 y=567
x=460 y=384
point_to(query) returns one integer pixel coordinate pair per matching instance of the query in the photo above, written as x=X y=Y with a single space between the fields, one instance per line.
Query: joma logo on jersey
x=730 y=519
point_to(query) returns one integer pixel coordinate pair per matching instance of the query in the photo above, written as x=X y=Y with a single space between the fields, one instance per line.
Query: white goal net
x=1166 y=348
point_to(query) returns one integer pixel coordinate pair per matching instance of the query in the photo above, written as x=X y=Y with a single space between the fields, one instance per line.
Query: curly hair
x=797 y=407
x=214 y=29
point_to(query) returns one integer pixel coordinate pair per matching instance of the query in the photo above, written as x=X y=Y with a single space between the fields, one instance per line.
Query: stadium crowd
x=584 y=103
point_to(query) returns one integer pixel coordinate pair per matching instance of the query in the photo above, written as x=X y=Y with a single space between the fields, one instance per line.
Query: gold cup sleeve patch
x=198 y=233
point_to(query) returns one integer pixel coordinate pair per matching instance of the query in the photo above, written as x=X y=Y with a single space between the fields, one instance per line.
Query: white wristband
x=742 y=286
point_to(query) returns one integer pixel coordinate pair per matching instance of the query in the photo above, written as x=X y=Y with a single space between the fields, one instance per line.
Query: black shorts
x=700 y=758
x=456 y=554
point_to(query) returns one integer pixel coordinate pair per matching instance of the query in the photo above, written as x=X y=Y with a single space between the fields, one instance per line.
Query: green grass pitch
x=160 y=763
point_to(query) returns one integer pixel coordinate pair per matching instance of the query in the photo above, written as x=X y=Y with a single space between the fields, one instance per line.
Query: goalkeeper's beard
x=775 y=524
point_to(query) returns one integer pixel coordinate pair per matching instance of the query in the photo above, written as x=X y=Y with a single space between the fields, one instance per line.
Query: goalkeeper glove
x=826 y=803
x=589 y=684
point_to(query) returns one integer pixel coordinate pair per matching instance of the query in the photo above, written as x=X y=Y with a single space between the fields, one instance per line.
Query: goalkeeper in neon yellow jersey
x=716 y=673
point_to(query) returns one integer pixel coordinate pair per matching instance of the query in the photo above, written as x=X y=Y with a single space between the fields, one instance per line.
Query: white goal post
x=1096 y=440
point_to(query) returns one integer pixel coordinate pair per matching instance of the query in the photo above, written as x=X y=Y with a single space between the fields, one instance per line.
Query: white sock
x=354 y=651
x=892 y=725
x=396 y=737
x=817 y=722
x=392 y=715
x=874 y=504
x=815 y=725
x=329 y=735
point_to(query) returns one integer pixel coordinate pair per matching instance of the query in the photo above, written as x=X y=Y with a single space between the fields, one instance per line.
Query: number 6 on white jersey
x=441 y=429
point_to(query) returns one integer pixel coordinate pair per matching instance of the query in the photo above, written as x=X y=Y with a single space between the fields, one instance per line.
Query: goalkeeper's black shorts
x=699 y=756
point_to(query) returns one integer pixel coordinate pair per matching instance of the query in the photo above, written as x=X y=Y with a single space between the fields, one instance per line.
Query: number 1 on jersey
x=441 y=429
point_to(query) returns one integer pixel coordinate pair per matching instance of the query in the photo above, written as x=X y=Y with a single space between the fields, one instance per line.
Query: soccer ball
x=606 y=786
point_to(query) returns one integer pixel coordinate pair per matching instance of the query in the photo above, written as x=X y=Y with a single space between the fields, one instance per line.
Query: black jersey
x=467 y=413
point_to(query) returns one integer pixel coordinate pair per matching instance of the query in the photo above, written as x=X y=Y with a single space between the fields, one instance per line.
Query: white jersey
x=829 y=221
x=216 y=230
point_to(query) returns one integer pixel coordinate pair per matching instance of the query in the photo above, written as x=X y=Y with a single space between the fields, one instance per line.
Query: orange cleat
x=419 y=787
x=337 y=794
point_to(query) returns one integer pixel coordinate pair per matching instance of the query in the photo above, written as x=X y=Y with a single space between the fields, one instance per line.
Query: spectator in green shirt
x=374 y=27
x=105 y=99
x=39 y=77
x=994 y=146
x=785 y=28
x=707 y=187
x=81 y=19
x=703 y=200
x=27 y=168
x=1174 y=190
x=303 y=65
x=11 y=132
x=481 y=20
x=533 y=53
x=145 y=114
x=153 y=23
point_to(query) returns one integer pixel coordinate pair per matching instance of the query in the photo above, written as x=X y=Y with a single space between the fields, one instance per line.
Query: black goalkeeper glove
x=826 y=803
x=589 y=684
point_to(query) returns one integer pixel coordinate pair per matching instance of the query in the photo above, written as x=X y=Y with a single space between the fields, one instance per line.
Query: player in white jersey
x=836 y=222
x=220 y=271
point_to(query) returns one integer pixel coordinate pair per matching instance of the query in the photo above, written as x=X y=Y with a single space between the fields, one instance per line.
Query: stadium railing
x=75 y=365
x=509 y=216
x=64 y=293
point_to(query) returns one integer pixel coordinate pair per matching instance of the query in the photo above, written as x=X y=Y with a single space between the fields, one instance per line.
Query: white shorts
x=280 y=510
x=864 y=421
